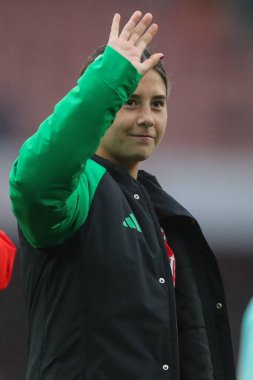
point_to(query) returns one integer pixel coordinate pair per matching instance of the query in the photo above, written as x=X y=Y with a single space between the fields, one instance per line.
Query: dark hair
x=159 y=68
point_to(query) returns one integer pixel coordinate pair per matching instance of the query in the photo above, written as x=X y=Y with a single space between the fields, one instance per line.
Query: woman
x=102 y=297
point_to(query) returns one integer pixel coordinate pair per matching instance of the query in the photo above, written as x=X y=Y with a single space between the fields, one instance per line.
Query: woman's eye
x=158 y=104
x=131 y=103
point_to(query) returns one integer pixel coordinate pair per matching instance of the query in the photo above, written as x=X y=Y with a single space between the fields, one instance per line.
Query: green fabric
x=51 y=187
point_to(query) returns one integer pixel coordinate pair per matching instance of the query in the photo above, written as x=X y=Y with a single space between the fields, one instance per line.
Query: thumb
x=149 y=63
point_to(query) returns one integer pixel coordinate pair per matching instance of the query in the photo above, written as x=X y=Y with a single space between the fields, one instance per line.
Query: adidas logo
x=131 y=222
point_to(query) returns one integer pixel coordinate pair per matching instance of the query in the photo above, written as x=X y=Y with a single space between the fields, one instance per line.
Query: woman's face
x=139 y=125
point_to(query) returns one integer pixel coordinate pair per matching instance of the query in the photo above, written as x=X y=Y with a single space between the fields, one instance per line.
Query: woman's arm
x=48 y=187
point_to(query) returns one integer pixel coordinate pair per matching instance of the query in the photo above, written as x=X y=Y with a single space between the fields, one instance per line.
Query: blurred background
x=206 y=158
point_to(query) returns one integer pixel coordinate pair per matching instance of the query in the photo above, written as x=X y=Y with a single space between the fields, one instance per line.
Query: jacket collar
x=165 y=205
x=119 y=173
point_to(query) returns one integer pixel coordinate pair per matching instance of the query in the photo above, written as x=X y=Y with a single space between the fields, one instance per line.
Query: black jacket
x=97 y=309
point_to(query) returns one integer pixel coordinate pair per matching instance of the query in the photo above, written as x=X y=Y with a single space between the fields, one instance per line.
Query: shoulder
x=163 y=202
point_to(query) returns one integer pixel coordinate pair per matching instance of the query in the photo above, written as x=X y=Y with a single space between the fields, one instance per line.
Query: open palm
x=134 y=38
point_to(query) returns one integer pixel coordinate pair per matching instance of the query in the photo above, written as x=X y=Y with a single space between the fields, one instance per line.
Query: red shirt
x=7 y=257
x=172 y=259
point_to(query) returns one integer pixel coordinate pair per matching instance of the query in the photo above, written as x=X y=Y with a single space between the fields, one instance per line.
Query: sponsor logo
x=131 y=222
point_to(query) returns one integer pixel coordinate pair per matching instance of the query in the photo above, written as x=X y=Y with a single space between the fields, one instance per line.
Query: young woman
x=103 y=301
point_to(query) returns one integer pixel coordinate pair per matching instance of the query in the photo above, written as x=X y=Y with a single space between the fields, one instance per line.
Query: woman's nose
x=145 y=118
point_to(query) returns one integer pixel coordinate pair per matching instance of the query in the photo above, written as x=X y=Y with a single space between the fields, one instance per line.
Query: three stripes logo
x=131 y=222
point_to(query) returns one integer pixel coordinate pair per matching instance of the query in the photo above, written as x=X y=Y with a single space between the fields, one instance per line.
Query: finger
x=131 y=24
x=147 y=37
x=149 y=63
x=141 y=27
x=114 y=33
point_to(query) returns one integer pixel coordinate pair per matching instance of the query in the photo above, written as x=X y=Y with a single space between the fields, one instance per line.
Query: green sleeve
x=50 y=186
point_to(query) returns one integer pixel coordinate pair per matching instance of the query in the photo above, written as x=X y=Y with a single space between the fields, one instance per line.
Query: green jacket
x=50 y=188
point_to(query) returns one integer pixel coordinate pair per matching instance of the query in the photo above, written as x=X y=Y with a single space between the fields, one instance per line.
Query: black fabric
x=96 y=308
x=195 y=353
x=204 y=333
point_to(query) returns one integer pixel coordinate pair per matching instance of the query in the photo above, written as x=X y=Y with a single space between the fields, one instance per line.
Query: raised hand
x=134 y=38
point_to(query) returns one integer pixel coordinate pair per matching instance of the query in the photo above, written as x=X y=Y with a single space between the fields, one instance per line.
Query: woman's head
x=140 y=124
x=159 y=68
